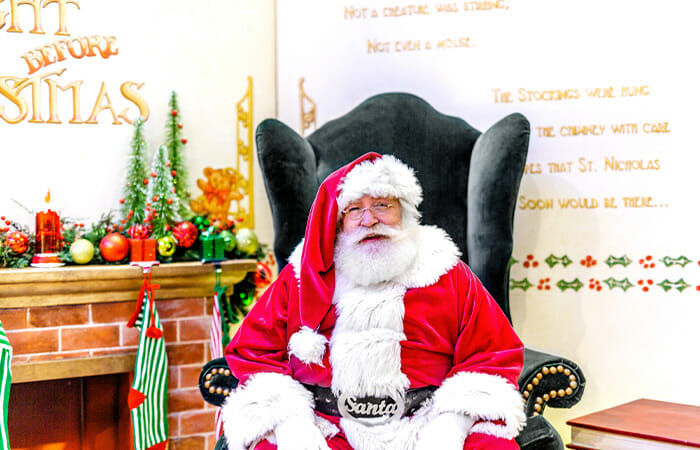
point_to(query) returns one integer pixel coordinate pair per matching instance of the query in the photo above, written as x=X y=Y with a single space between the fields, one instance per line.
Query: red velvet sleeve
x=486 y=342
x=260 y=344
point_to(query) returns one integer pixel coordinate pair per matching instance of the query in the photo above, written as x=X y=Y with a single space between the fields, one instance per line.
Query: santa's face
x=368 y=211
x=373 y=246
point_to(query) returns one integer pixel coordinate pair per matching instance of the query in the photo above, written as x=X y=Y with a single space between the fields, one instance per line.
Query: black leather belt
x=369 y=409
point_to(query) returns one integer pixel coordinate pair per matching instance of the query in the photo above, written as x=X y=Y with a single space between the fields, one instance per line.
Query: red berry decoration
x=170 y=201
x=17 y=241
x=121 y=200
x=186 y=234
x=114 y=247
x=173 y=173
x=184 y=141
x=145 y=181
x=153 y=174
x=139 y=231
x=174 y=113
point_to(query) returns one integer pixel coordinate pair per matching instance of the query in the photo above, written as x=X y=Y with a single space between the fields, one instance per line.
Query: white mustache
x=356 y=236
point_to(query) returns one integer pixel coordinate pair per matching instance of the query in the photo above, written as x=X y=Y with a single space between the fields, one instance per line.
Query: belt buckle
x=372 y=410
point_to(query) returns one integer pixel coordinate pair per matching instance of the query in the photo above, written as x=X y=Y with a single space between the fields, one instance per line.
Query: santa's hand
x=446 y=431
x=299 y=434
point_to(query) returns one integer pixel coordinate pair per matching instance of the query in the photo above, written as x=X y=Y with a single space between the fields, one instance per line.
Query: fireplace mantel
x=71 y=322
x=26 y=290
x=74 y=285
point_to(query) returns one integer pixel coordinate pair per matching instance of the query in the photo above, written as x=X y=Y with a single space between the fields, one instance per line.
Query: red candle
x=48 y=232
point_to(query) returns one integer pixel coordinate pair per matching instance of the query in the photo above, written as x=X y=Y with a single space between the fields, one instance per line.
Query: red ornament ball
x=139 y=231
x=17 y=241
x=263 y=275
x=114 y=247
x=186 y=234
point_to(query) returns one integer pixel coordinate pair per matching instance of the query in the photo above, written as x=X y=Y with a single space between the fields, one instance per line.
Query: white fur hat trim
x=308 y=346
x=385 y=177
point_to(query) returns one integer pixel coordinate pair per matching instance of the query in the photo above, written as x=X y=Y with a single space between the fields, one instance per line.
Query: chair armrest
x=216 y=381
x=539 y=434
x=549 y=380
x=289 y=166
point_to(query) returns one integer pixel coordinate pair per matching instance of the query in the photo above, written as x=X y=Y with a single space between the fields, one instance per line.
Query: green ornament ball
x=229 y=240
x=201 y=223
x=246 y=241
x=82 y=251
x=166 y=246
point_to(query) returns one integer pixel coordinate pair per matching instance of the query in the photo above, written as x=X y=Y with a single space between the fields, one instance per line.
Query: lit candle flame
x=48 y=196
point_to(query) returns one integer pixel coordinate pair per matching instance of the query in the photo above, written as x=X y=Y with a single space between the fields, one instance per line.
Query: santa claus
x=376 y=335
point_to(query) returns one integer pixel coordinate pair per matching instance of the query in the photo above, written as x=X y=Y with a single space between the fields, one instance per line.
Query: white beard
x=367 y=263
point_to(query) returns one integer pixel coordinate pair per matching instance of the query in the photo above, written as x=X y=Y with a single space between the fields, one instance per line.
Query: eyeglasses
x=378 y=209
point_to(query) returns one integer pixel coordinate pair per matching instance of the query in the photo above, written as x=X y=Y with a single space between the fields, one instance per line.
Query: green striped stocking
x=5 y=357
x=149 y=393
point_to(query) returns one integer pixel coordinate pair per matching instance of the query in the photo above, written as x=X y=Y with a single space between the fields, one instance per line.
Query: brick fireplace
x=67 y=327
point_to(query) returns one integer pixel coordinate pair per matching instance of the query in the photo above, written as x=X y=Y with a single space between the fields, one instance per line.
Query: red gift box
x=143 y=250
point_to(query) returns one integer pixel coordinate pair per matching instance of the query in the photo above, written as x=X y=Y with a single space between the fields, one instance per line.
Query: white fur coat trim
x=436 y=255
x=253 y=411
x=484 y=397
x=295 y=259
x=365 y=347
x=308 y=346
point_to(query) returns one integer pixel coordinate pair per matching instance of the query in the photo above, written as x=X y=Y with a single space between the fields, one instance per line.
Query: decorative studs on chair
x=217 y=389
x=551 y=370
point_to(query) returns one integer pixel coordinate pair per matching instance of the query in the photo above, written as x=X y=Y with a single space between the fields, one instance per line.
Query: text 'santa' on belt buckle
x=371 y=410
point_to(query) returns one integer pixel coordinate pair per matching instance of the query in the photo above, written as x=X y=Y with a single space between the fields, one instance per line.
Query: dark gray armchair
x=470 y=181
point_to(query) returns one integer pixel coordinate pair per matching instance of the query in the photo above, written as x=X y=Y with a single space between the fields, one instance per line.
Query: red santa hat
x=371 y=174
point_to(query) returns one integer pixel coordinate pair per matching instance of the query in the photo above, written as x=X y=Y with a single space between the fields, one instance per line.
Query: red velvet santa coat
x=438 y=327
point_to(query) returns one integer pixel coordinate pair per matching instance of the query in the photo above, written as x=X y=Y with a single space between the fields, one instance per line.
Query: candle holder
x=48 y=239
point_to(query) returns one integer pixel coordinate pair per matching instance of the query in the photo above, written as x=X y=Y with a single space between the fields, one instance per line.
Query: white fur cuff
x=445 y=431
x=484 y=397
x=256 y=408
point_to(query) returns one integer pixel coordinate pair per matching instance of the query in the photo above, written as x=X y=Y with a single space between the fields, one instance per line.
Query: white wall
x=519 y=56
x=630 y=343
x=204 y=51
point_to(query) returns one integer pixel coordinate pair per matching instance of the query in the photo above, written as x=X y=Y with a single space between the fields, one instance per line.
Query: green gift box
x=212 y=248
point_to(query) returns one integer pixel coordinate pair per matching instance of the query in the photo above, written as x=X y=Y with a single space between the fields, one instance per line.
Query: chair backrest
x=437 y=146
